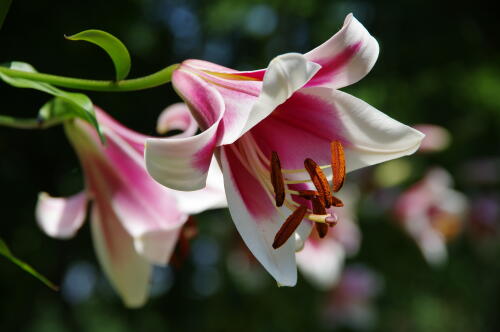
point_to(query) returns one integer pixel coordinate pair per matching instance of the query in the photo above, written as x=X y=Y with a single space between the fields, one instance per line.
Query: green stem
x=150 y=81
x=9 y=121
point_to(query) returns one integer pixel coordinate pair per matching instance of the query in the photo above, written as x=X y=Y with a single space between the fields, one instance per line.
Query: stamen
x=308 y=194
x=319 y=218
x=337 y=202
x=331 y=220
x=317 y=206
x=319 y=180
x=277 y=179
x=300 y=170
x=338 y=165
x=289 y=226
x=322 y=229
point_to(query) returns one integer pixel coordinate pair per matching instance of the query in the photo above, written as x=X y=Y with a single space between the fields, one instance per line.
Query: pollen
x=319 y=180
x=289 y=226
x=308 y=194
x=322 y=229
x=337 y=202
x=277 y=179
x=338 y=165
x=318 y=202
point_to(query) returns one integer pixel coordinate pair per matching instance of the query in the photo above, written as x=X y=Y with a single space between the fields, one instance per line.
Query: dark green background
x=439 y=63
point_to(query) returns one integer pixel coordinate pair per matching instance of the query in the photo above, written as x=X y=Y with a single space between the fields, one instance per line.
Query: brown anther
x=317 y=206
x=322 y=229
x=289 y=226
x=319 y=180
x=308 y=194
x=277 y=179
x=338 y=165
x=337 y=202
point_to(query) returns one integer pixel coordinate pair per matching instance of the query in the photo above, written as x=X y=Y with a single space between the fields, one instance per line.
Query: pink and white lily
x=321 y=260
x=294 y=109
x=135 y=222
x=432 y=214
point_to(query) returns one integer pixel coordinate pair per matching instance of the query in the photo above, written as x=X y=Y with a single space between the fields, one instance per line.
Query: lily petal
x=61 y=217
x=116 y=175
x=322 y=262
x=158 y=245
x=248 y=100
x=372 y=136
x=146 y=209
x=257 y=220
x=177 y=117
x=133 y=138
x=368 y=135
x=212 y=196
x=128 y=272
x=286 y=74
x=346 y=57
x=183 y=163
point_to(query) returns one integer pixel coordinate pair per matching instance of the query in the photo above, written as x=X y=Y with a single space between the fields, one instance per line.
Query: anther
x=337 y=202
x=319 y=180
x=338 y=165
x=289 y=226
x=317 y=206
x=322 y=229
x=277 y=179
x=308 y=194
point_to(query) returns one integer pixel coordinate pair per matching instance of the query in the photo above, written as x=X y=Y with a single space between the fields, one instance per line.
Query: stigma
x=318 y=202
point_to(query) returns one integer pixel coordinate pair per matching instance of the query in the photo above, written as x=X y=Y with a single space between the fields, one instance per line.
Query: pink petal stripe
x=182 y=163
x=301 y=128
x=346 y=57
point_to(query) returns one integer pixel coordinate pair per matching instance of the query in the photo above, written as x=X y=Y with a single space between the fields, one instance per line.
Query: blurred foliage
x=439 y=63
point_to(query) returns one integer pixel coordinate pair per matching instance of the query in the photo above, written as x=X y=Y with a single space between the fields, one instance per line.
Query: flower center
x=280 y=184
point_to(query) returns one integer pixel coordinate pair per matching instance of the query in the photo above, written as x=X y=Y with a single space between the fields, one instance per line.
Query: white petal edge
x=61 y=217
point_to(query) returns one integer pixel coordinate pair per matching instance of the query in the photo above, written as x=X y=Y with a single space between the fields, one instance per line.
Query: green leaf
x=112 y=45
x=5 y=251
x=77 y=104
x=4 y=9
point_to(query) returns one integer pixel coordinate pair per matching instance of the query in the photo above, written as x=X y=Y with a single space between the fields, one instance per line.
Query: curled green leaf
x=76 y=104
x=4 y=9
x=5 y=251
x=112 y=45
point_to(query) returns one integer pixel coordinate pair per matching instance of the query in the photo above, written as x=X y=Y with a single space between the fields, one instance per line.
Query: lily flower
x=432 y=214
x=322 y=259
x=286 y=120
x=135 y=222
